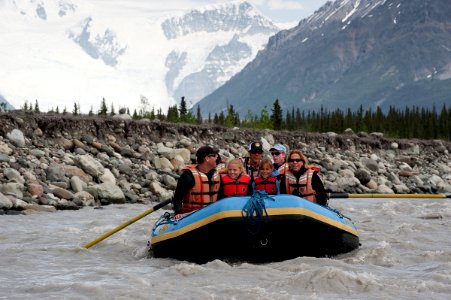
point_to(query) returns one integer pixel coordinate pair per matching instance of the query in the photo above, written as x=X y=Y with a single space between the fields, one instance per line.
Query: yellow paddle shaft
x=122 y=226
x=346 y=195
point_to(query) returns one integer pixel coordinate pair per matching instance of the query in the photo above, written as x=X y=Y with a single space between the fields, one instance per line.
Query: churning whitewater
x=405 y=254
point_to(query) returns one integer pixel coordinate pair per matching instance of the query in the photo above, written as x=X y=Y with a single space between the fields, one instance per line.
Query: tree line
x=410 y=122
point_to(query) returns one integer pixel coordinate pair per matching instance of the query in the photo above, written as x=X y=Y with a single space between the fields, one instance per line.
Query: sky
x=287 y=11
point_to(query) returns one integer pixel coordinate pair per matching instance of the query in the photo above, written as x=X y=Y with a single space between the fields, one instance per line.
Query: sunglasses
x=295 y=160
x=212 y=155
x=275 y=153
x=256 y=152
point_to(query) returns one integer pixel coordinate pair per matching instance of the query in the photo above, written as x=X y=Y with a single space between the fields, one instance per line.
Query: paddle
x=101 y=238
x=346 y=195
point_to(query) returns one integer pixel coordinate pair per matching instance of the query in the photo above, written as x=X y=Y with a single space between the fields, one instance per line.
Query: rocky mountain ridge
x=350 y=53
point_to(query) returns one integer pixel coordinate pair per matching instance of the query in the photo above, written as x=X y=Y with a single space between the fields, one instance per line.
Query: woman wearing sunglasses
x=301 y=180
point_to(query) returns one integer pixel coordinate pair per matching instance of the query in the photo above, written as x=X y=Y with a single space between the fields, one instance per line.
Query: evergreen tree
x=199 y=115
x=91 y=112
x=221 y=119
x=288 y=121
x=183 y=109
x=160 y=115
x=57 y=111
x=25 y=106
x=112 y=112
x=135 y=115
x=103 y=108
x=173 y=114
x=230 y=119
x=75 y=110
x=36 y=107
x=65 y=111
x=276 y=116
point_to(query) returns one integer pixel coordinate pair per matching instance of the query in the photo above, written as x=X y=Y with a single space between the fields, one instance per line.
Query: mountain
x=350 y=53
x=62 y=52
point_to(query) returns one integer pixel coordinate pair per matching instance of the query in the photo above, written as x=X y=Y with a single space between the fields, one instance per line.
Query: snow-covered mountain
x=62 y=52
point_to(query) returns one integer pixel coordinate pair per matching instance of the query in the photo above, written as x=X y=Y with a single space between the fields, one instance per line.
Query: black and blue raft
x=257 y=228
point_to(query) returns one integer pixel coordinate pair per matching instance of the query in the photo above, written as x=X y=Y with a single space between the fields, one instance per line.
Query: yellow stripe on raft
x=237 y=213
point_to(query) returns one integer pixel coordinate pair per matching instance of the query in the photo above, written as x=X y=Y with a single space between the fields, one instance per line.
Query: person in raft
x=267 y=179
x=278 y=154
x=301 y=180
x=199 y=183
x=234 y=182
x=252 y=162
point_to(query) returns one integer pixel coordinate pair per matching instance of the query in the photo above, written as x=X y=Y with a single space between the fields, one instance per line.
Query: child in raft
x=267 y=179
x=234 y=182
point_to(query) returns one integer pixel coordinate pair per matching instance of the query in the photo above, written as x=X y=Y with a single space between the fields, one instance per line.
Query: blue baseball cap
x=279 y=147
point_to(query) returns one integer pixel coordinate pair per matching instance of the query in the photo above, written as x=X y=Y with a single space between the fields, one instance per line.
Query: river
x=405 y=254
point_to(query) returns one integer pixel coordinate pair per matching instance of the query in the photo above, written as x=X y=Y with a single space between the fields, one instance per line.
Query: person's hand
x=179 y=216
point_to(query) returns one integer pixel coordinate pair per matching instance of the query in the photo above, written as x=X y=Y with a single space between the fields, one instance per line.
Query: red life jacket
x=303 y=185
x=202 y=192
x=269 y=184
x=232 y=187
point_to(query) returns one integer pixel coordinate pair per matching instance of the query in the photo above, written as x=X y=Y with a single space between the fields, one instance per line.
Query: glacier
x=61 y=52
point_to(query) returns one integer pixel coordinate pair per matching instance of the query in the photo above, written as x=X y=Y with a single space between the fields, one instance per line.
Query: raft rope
x=340 y=215
x=254 y=210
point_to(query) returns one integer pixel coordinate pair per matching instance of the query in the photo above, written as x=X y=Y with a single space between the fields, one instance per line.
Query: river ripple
x=405 y=254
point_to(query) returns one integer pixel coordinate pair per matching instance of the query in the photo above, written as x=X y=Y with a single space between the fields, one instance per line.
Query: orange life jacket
x=232 y=187
x=303 y=185
x=269 y=184
x=202 y=192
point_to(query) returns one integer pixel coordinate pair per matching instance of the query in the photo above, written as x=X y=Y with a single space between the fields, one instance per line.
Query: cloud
x=284 y=4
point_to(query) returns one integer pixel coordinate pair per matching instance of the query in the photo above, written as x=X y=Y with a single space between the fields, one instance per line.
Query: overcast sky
x=282 y=11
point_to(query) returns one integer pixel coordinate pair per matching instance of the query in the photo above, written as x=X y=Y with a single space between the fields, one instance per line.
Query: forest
x=410 y=122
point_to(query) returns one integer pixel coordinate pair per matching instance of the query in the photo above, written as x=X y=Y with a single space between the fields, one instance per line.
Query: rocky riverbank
x=51 y=162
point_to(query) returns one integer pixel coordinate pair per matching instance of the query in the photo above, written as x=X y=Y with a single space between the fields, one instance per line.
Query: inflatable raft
x=256 y=228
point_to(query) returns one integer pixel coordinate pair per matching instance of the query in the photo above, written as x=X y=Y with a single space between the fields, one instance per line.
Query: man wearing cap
x=252 y=162
x=278 y=153
x=198 y=185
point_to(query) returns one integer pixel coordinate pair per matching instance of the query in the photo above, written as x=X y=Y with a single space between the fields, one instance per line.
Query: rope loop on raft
x=254 y=210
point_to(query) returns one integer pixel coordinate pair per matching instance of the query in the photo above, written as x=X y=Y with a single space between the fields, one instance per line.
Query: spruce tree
x=183 y=109
x=276 y=117
x=103 y=108
x=36 y=106
x=75 y=110
x=199 y=115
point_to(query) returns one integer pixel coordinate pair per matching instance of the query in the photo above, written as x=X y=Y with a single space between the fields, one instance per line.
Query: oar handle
x=346 y=195
x=140 y=216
